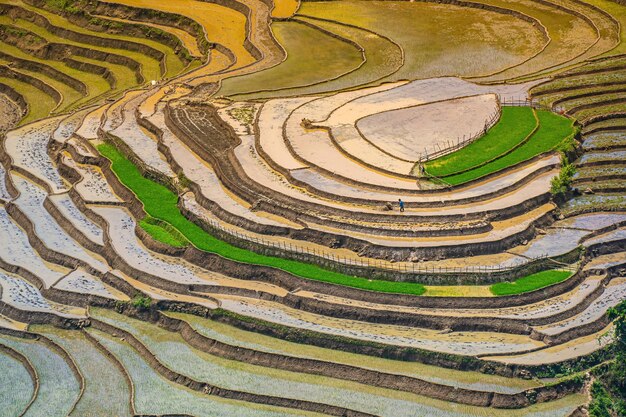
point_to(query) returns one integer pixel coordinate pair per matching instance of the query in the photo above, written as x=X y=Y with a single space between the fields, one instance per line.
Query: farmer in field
x=401 y=204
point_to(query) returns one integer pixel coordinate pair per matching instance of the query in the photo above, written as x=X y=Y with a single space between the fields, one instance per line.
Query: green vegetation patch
x=161 y=203
x=562 y=182
x=554 y=130
x=141 y=303
x=515 y=124
x=530 y=282
x=163 y=233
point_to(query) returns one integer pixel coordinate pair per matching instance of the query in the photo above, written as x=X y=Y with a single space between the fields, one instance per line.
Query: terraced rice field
x=438 y=40
x=340 y=208
x=101 y=378
x=95 y=85
x=42 y=104
x=516 y=123
x=551 y=133
x=58 y=388
x=312 y=57
x=17 y=385
x=572 y=36
x=82 y=79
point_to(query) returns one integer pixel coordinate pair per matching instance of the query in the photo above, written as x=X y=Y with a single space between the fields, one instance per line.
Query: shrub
x=601 y=403
x=562 y=182
x=141 y=303
x=68 y=6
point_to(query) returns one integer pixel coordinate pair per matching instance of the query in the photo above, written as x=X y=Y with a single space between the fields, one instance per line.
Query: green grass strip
x=161 y=203
x=162 y=234
x=515 y=124
x=530 y=282
x=553 y=130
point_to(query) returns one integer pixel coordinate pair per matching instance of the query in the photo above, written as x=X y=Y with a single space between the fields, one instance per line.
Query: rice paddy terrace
x=199 y=207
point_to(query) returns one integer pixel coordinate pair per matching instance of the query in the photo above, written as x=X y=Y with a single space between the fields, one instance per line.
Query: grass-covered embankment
x=504 y=145
x=161 y=203
x=166 y=224
x=515 y=124
x=530 y=282
x=162 y=233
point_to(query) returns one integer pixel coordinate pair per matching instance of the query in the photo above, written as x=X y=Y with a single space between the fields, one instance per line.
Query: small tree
x=562 y=182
